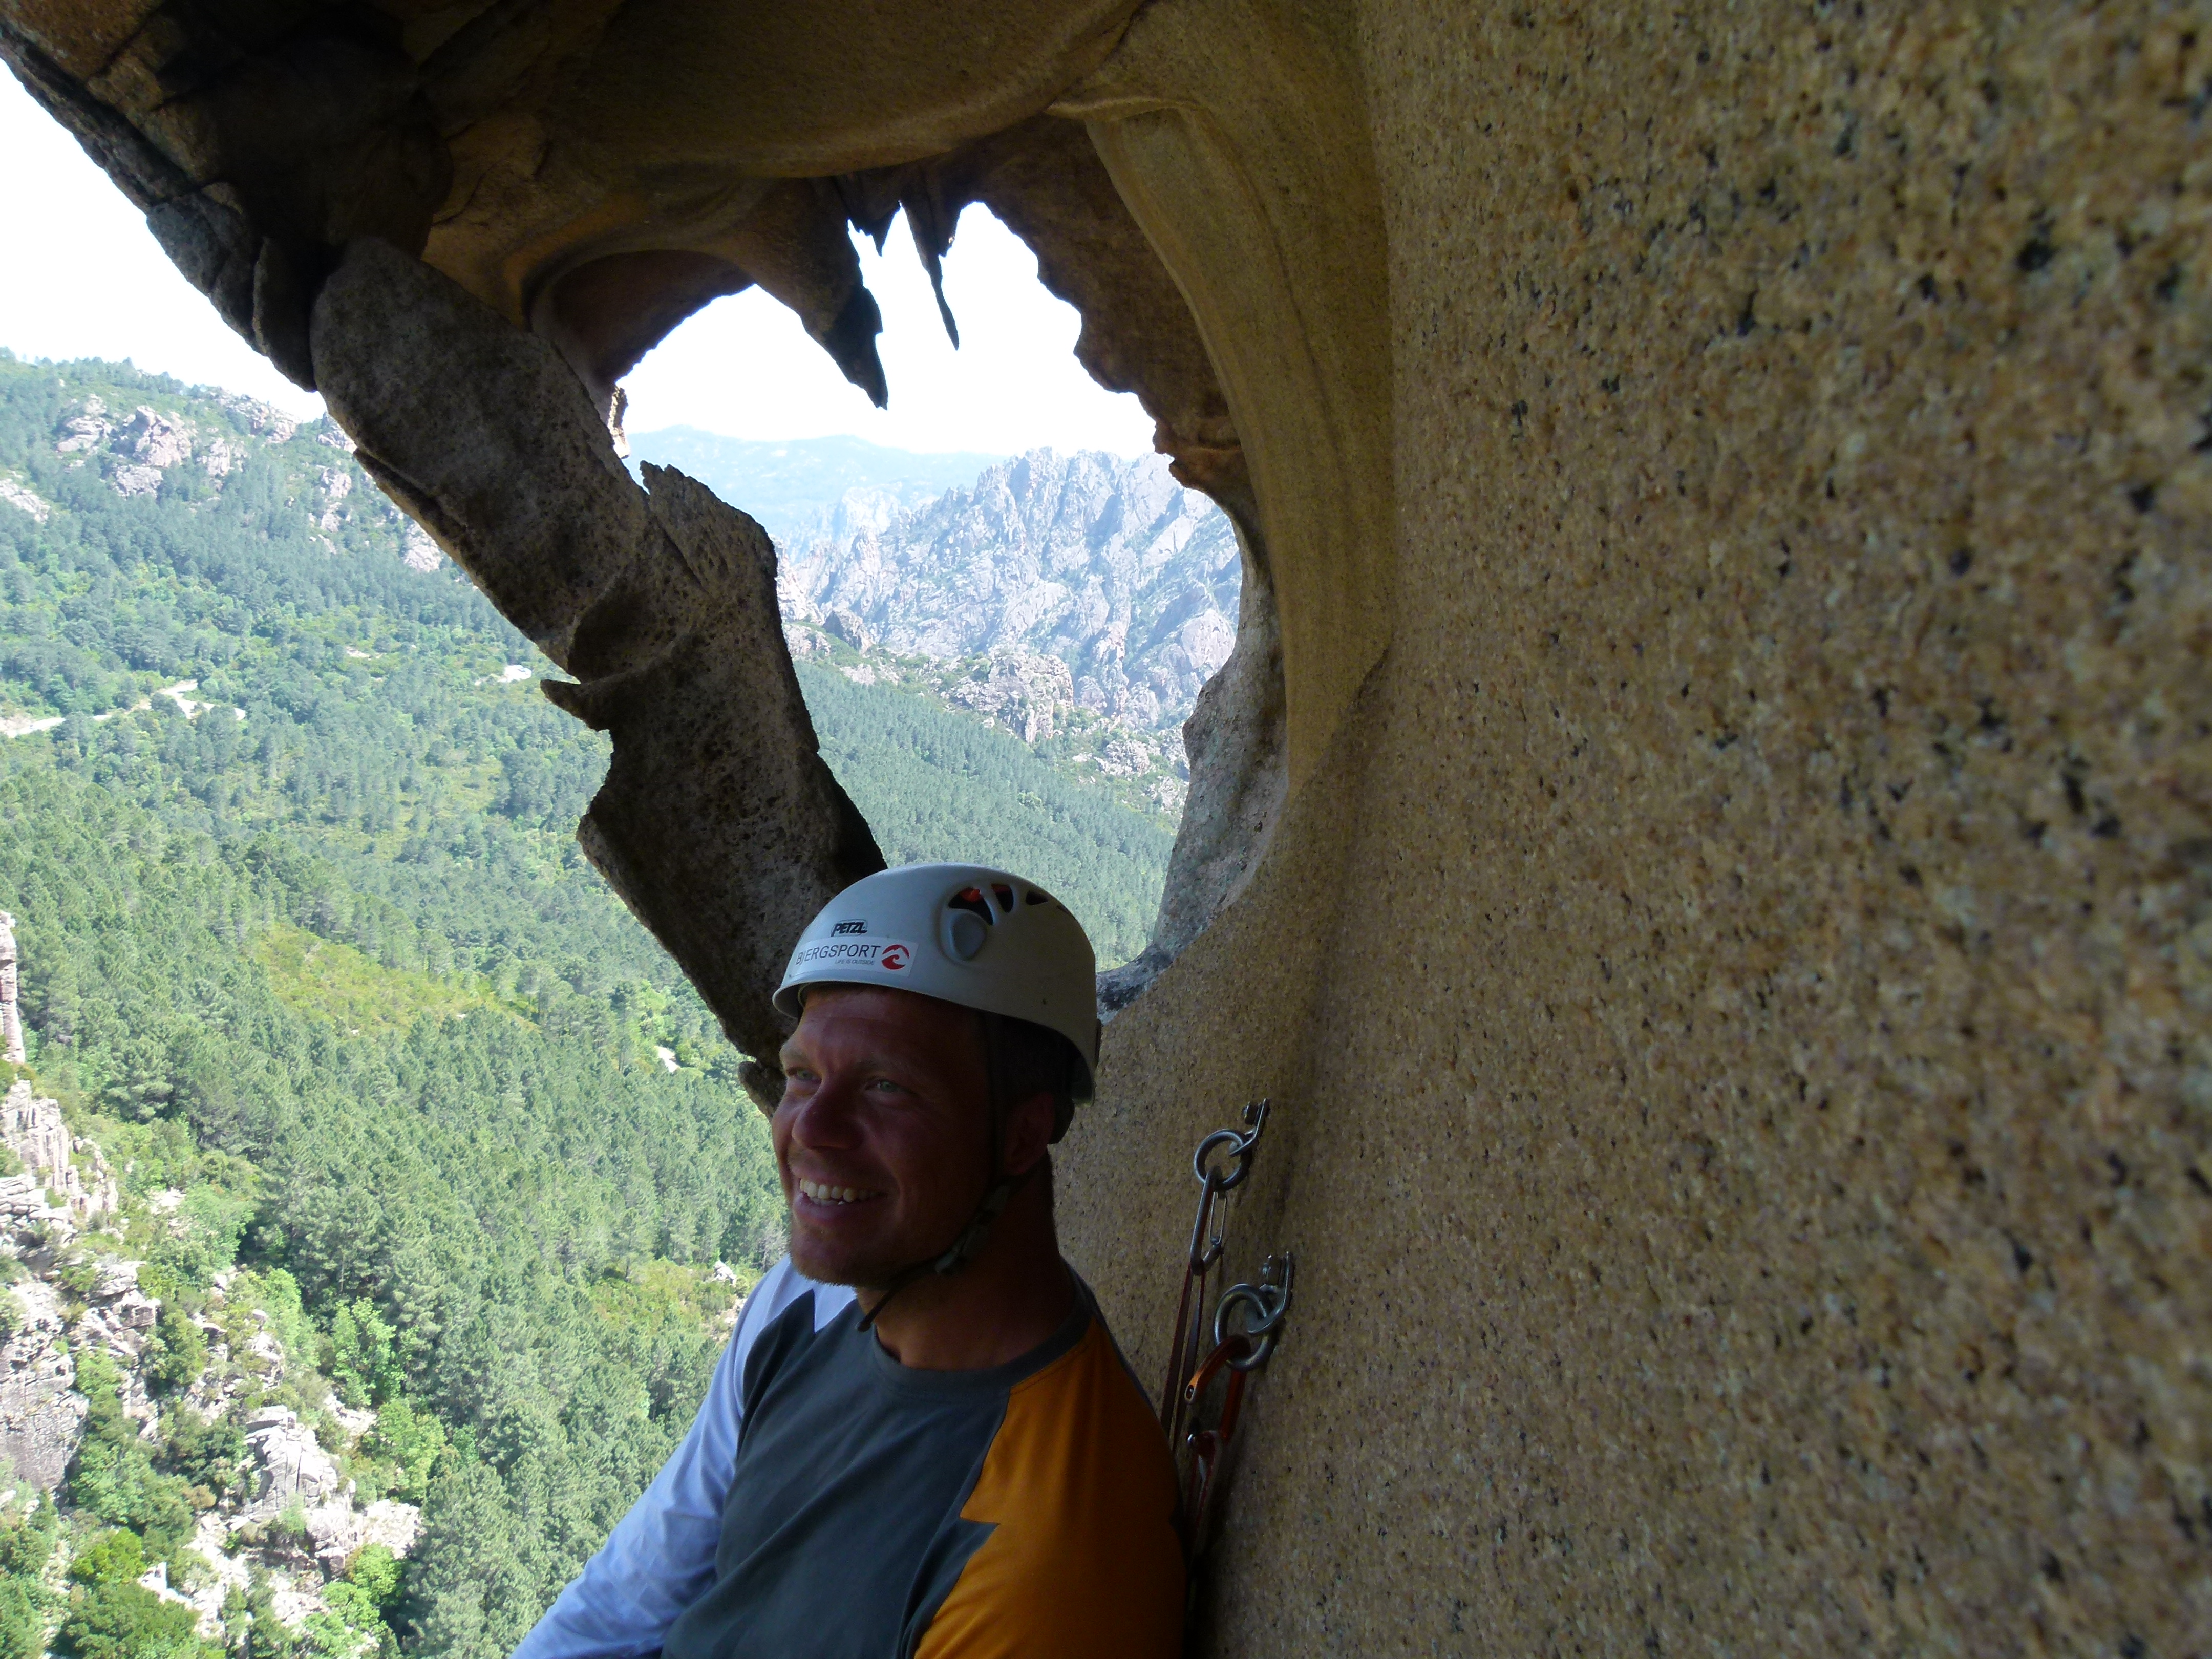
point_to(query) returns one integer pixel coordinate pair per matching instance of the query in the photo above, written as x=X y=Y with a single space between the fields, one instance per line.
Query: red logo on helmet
x=895 y=957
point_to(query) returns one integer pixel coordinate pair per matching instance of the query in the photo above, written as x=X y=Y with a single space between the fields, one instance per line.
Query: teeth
x=822 y=1193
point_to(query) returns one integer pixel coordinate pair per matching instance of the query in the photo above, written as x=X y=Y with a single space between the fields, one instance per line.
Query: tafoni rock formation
x=1702 y=833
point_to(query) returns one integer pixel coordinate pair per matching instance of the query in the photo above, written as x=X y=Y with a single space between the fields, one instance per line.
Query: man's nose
x=825 y=1119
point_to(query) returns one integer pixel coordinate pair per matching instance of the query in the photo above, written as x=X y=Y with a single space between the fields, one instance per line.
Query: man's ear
x=1029 y=1131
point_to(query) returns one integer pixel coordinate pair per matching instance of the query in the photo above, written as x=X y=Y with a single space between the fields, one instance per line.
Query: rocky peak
x=1026 y=691
x=87 y=430
x=26 y=500
x=1109 y=566
x=158 y=439
x=263 y=420
x=417 y=551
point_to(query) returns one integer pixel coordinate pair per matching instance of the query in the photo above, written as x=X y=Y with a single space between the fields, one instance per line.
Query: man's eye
x=885 y=1085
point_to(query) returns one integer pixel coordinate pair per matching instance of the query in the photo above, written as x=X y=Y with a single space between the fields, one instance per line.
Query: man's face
x=883 y=1135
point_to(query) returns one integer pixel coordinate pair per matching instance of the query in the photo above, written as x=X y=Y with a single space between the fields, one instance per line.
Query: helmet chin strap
x=998 y=1193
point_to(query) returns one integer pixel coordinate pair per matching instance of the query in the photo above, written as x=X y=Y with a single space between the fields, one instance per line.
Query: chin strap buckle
x=978 y=1233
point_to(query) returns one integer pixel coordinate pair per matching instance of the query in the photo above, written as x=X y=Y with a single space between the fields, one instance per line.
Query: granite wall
x=1735 y=991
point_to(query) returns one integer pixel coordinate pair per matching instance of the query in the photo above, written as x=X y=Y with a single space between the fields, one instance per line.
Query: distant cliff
x=86 y=1351
x=1108 y=565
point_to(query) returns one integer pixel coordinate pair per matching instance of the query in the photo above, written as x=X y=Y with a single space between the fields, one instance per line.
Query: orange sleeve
x=1084 y=1562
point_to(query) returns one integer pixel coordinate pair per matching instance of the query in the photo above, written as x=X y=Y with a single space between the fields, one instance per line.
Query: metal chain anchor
x=1247 y=1321
x=1240 y=1352
x=1221 y=1163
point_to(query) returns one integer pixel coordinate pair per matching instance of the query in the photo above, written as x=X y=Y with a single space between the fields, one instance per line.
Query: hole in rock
x=1000 y=606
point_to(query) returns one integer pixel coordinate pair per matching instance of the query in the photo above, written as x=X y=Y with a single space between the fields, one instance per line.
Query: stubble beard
x=869 y=1267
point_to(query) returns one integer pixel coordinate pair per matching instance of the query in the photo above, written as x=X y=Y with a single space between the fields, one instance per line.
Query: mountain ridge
x=794 y=486
x=1076 y=598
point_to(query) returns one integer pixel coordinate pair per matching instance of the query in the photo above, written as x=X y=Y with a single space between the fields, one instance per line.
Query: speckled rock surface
x=1737 y=1007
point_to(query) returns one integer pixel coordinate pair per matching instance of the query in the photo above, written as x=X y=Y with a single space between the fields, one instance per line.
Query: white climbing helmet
x=962 y=933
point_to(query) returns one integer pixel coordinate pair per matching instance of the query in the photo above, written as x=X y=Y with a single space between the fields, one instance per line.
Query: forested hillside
x=309 y=951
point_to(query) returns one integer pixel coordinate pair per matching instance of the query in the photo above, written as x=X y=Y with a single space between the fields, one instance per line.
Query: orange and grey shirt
x=829 y=1501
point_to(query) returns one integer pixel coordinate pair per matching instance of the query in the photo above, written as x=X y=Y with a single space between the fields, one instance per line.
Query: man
x=922 y=1440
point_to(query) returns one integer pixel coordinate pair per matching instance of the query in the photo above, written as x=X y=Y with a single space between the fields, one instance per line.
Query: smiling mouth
x=822 y=1194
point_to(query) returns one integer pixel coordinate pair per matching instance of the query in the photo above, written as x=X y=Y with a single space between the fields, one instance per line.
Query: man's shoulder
x=782 y=1286
x=789 y=1303
x=1080 y=1467
x=1085 y=1416
x=1076 y=1502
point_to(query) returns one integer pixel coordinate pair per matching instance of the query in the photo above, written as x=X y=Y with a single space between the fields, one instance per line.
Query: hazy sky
x=81 y=277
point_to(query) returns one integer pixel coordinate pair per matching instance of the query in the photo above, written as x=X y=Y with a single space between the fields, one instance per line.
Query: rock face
x=32 y=1130
x=218 y=435
x=11 y=1011
x=41 y=1417
x=26 y=500
x=119 y=1316
x=31 y=1127
x=288 y=1464
x=298 y=1517
x=1710 y=1052
x=420 y=552
x=41 y=1210
x=1110 y=566
x=158 y=440
x=1023 y=691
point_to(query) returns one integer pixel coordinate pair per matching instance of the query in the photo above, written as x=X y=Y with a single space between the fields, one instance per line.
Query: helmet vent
x=966 y=935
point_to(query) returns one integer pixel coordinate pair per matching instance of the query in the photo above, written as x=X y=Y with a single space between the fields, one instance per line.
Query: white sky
x=81 y=277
